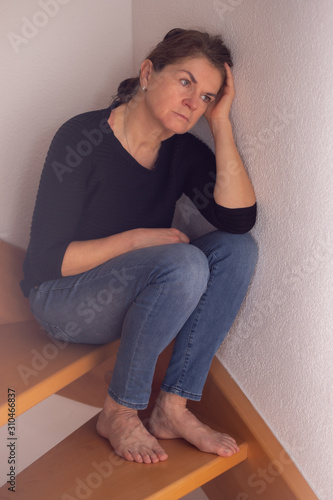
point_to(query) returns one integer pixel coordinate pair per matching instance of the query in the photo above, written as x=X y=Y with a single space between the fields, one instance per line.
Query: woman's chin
x=178 y=127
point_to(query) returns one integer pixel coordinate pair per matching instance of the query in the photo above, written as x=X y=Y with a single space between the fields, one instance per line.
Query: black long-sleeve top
x=91 y=188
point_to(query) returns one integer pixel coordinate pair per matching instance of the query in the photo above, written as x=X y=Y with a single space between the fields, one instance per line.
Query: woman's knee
x=196 y=267
x=189 y=269
x=219 y=245
x=244 y=249
x=246 y=246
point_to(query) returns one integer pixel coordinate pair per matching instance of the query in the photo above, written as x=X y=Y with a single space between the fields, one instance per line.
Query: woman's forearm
x=81 y=256
x=233 y=188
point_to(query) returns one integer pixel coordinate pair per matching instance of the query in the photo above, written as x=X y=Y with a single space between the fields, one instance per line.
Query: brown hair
x=176 y=45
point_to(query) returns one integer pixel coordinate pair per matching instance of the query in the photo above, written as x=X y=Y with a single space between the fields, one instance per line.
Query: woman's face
x=180 y=94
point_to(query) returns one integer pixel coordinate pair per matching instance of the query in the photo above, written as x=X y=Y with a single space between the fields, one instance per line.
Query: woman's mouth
x=183 y=117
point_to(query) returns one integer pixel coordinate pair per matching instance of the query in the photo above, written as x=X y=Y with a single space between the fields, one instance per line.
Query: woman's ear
x=146 y=71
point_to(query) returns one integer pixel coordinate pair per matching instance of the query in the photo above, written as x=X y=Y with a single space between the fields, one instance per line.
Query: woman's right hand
x=152 y=237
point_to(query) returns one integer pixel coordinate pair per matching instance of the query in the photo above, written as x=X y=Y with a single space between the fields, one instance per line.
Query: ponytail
x=126 y=90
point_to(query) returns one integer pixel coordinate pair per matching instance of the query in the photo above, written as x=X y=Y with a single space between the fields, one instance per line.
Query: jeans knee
x=245 y=253
x=244 y=249
x=192 y=270
x=198 y=268
x=249 y=248
x=241 y=249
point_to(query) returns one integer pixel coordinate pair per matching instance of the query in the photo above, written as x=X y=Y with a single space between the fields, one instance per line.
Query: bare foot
x=171 y=419
x=127 y=435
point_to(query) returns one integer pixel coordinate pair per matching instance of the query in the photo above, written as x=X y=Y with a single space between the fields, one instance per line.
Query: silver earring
x=144 y=88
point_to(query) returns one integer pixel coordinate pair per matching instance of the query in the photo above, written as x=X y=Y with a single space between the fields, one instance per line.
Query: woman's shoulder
x=87 y=123
x=75 y=144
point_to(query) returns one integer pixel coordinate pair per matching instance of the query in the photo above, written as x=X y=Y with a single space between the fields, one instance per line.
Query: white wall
x=280 y=349
x=56 y=61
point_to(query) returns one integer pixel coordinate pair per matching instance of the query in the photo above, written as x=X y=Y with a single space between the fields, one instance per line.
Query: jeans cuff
x=181 y=392
x=128 y=404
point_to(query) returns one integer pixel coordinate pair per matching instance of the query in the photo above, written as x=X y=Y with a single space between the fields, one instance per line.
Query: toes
x=154 y=458
x=127 y=455
x=137 y=457
x=226 y=450
x=141 y=456
x=221 y=444
x=146 y=457
x=228 y=439
x=230 y=449
x=226 y=453
x=160 y=453
x=157 y=455
x=228 y=443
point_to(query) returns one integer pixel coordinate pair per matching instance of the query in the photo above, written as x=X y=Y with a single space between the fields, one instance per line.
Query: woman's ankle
x=111 y=407
x=168 y=400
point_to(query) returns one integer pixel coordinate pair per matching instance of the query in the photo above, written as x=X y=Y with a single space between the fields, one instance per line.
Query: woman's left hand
x=218 y=111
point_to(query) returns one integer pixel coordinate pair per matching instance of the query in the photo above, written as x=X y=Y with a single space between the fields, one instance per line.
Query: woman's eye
x=206 y=99
x=184 y=82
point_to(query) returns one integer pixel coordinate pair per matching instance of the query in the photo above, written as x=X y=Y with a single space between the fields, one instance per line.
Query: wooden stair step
x=42 y=365
x=14 y=307
x=84 y=466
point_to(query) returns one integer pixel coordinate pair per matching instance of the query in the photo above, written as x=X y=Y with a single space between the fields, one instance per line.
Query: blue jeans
x=148 y=297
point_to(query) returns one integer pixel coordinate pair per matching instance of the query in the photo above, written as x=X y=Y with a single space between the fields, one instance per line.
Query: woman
x=103 y=261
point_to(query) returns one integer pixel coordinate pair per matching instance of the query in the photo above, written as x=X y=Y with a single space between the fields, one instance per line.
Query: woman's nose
x=192 y=102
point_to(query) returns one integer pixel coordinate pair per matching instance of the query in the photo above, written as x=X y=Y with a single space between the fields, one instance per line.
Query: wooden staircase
x=83 y=465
